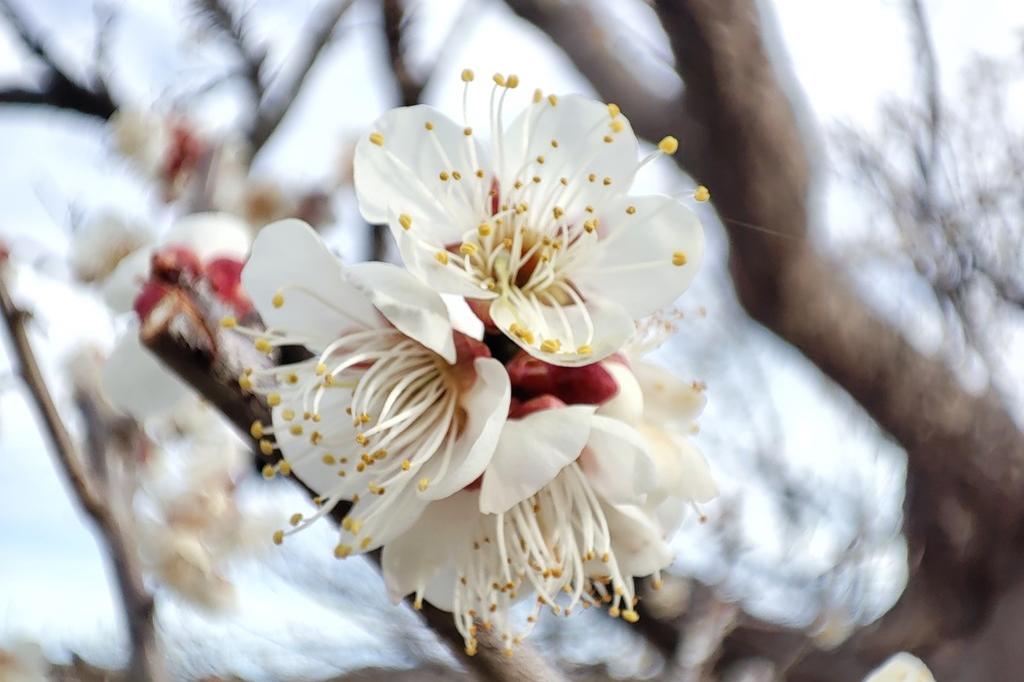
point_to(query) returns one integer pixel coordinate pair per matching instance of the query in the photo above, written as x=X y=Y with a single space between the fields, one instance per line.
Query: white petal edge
x=137 y=383
x=531 y=452
x=617 y=462
x=211 y=235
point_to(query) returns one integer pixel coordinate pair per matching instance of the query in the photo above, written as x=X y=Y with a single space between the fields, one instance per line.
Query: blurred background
x=857 y=322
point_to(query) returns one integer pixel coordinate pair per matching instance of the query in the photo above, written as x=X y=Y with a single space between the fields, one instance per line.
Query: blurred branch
x=317 y=33
x=395 y=20
x=57 y=89
x=965 y=452
x=146 y=661
x=233 y=28
x=185 y=335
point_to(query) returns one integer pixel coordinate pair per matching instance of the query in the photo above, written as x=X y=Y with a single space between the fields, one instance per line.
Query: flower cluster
x=531 y=456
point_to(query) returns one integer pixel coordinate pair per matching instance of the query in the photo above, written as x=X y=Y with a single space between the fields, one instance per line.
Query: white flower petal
x=137 y=383
x=414 y=558
x=633 y=263
x=636 y=540
x=680 y=469
x=578 y=126
x=306 y=460
x=486 y=408
x=902 y=667
x=289 y=258
x=668 y=400
x=463 y=318
x=401 y=513
x=211 y=235
x=403 y=171
x=415 y=310
x=628 y=402
x=421 y=248
x=617 y=462
x=613 y=326
x=124 y=283
x=531 y=452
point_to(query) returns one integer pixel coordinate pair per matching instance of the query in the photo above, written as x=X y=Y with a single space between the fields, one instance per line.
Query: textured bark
x=965 y=487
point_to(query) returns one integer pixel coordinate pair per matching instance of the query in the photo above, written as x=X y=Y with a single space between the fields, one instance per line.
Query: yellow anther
x=292 y=378
x=558 y=212
x=456 y=175
x=467 y=249
x=631 y=210
x=296 y=429
x=256 y=429
x=346 y=523
x=550 y=345
x=564 y=181
x=585 y=349
x=342 y=551
x=467 y=75
x=467 y=131
x=422 y=485
x=499 y=79
x=554 y=144
x=428 y=125
x=405 y=221
x=363 y=418
x=329 y=460
x=668 y=145
x=288 y=414
x=361 y=467
x=406 y=465
x=552 y=100
x=316 y=438
x=228 y=322
x=443 y=176
x=245 y=383
x=441 y=257
x=284 y=468
x=702 y=193
x=507 y=652
x=273 y=399
x=471 y=649
x=268 y=471
x=537 y=96
x=377 y=139
x=484 y=230
x=266 y=447
x=592 y=177
x=540 y=159
x=613 y=611
x=678 y=258
x=479 y=173
x=278 y=537
x=362 y=439
x=518 y=184
x=366 y=542
x=295 y=519
x=618 y=126
x=536 y=178
x=608 y=139
x=262 y=345
x=513 y=81
x=630 y=616
x=607 y=181
x=589 y=225
x=613 y=110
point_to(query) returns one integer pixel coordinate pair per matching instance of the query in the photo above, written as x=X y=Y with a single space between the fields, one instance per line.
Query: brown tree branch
x=185 y=335
x=409 y=86
x=147 y=662
x=965 y=453
x=57 y=88
x=318 y=32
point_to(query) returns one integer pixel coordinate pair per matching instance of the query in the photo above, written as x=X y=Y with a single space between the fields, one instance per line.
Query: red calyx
x=225 y=278
x=587 y=385
x=152 y=293
x=172 y=263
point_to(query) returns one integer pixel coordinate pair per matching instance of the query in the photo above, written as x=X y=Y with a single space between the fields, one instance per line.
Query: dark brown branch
x=183 y=334
x=318 y=32
x=57 y=89
x=146 y=662
x=409 y=86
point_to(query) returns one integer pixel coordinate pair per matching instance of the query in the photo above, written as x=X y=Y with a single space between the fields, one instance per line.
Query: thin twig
x=146 y=662
x=275 y=105
x=57 y=88
x=232 y=27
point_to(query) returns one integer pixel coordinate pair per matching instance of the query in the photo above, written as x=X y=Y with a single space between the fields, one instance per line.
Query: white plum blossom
x=558 y=517
x=902 y=667
x=101 y=243
x=538 y=229
x=393 y=410
x=664 y=410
